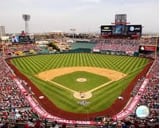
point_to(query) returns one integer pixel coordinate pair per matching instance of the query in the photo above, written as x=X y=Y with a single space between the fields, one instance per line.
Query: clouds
x=84 y=15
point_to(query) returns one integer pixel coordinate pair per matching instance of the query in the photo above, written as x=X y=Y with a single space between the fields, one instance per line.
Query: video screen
x=15 y=39
x=22 y=39
x=119 y=30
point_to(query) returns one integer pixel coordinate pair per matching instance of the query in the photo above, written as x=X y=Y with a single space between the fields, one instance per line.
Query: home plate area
x=82 y=95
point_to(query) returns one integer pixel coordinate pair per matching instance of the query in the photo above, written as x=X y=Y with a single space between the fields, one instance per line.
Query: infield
x=94 y=79
x=51 y=74
x=63 y=64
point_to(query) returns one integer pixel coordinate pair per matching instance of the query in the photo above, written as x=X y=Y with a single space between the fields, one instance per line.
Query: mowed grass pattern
x=70 y=81
x=102 y=98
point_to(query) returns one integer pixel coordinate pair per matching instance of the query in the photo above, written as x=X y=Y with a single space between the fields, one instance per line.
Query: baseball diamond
x=63 y=70
x=50 y=74
x=111 y=74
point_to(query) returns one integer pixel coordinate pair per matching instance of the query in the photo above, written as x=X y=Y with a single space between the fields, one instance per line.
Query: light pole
x=26 y=18
x=73 y=31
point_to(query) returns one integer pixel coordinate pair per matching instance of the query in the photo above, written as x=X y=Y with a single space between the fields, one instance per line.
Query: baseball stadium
x=109 y=80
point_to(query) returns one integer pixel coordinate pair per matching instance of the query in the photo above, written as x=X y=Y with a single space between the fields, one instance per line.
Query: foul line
x=102 y=85
x=92 y=90
x=60 y=85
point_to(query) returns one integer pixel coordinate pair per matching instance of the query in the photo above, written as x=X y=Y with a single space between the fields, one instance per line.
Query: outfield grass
x=102 y=98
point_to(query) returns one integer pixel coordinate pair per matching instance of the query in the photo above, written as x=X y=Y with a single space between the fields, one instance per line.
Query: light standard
x=73 y=31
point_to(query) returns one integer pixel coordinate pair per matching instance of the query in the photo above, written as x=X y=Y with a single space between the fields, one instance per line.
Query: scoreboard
x=22 y=39
x=121 y=30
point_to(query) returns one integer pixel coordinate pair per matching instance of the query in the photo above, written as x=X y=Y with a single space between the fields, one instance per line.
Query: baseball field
x=80 y=82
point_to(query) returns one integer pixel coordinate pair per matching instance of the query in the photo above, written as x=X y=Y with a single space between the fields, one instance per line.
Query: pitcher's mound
x=81 y=79
x=82 y=95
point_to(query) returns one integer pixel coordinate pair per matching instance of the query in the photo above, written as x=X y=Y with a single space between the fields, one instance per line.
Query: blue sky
x=83 y=15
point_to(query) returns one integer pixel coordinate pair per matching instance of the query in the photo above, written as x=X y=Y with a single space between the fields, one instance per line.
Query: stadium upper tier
x=118 y=45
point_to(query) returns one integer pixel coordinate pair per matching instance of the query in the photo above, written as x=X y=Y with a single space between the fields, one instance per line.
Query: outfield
x=101 y=99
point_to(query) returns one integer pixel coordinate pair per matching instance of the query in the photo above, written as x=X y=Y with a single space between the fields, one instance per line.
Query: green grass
x=69 y=80
x=102 y=98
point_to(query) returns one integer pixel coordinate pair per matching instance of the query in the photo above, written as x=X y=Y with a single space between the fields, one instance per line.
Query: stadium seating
x=123 y=45
x=15 y=110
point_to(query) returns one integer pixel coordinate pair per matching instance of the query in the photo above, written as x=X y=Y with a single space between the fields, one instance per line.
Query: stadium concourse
x=19 y=109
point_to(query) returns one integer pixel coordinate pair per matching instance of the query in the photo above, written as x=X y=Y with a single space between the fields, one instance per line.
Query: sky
x=82 y=15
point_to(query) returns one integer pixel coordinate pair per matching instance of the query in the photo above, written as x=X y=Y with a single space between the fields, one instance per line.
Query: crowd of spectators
x=149 y=41
x=16 y=49
x=150 y=98
x=123 y=45
x=15 y=109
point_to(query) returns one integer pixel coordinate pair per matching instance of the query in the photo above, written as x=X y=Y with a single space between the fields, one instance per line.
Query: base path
x=51 y=74
x=50 y=107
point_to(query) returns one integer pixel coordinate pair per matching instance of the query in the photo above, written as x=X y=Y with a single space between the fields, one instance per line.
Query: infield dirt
x=51 y=74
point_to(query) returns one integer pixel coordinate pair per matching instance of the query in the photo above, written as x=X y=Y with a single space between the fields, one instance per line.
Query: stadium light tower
x=26 y=18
